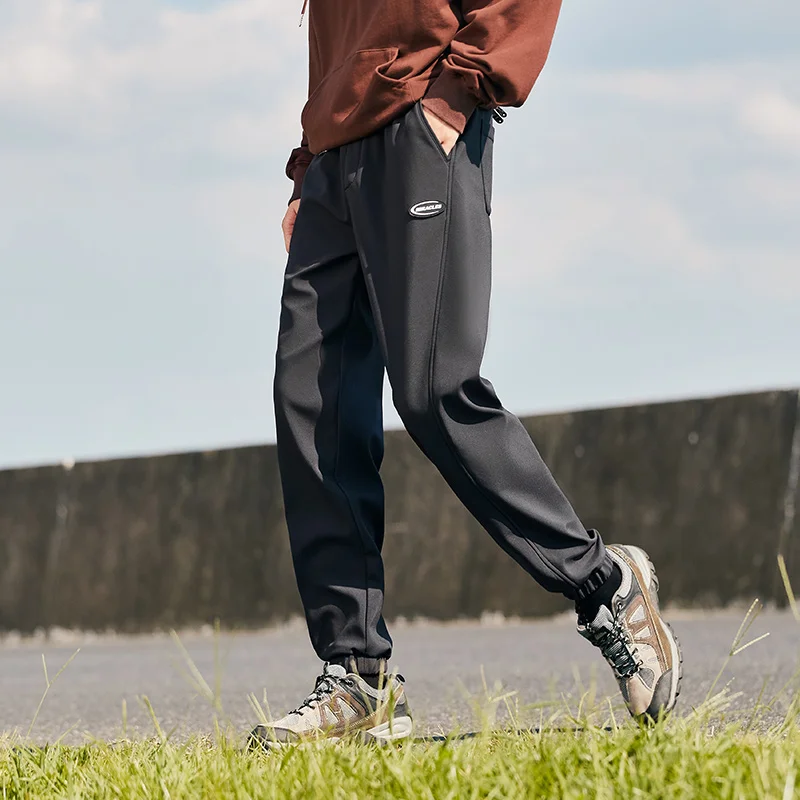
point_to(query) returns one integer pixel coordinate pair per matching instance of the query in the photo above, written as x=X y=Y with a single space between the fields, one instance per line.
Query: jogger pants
x=390 y=268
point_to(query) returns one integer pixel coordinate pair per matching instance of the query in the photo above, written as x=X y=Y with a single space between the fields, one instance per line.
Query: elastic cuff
x=594 y=582
x=448 y=98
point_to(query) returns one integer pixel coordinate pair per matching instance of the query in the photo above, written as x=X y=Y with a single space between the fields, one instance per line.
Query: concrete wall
x=708 y=487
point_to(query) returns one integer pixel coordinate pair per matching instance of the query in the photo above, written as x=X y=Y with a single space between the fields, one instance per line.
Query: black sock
x=375 y=681
x=602 y=596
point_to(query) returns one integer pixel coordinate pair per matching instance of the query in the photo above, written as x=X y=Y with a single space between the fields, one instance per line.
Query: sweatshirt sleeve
x=296 y=167
x=494 y=59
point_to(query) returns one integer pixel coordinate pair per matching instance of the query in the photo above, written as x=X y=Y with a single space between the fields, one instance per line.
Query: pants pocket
x=423 y=120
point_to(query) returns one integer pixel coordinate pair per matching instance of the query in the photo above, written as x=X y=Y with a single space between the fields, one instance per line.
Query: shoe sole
x=397 y=729
x=638 y=560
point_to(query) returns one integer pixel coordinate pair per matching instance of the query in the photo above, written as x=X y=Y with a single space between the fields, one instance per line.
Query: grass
x=695 y=756
x=675 y=760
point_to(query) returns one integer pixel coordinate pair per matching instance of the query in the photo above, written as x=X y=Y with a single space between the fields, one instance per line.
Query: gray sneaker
x=342 y=705
x=634 y=639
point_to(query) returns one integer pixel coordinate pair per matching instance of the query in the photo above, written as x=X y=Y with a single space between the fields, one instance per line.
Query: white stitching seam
x=442 y=430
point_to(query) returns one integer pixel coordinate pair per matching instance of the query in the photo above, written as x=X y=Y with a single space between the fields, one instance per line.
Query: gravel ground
x=100 y=694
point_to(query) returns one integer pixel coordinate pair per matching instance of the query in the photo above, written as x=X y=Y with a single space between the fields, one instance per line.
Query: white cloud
x=142 y=151
x=686 y=172
x=69 y=43
x=776 y=191
x=198 y=108
x=774 y=116
x=64 y=63
x=604 y=229
x=762 y=96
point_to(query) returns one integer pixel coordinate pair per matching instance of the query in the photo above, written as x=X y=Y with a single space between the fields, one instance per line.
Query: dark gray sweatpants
x=372 y=285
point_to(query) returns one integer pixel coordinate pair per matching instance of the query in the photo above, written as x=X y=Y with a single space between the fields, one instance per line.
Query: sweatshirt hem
x=449 y=99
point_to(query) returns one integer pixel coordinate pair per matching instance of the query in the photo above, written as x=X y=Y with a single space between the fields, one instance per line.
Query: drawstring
x=303 y=12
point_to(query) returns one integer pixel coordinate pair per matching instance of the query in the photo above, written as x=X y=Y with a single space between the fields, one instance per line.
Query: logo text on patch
x=428 y=208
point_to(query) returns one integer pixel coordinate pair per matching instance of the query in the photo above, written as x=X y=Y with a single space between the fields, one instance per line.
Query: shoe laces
x=616 y=645
x=325 y=686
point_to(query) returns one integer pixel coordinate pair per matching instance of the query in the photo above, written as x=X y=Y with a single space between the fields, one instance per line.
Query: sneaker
x=634 y=639
x=342 y=704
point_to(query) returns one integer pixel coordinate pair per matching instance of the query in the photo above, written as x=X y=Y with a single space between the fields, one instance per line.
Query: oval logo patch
x=428 y=208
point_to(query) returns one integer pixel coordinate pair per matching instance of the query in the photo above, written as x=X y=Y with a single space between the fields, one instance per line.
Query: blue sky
x=646 y=203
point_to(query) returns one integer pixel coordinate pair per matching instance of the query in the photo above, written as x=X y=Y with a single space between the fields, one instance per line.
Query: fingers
x=289 y=219
x=448 y=143
x=288 y=229
x=445 y=133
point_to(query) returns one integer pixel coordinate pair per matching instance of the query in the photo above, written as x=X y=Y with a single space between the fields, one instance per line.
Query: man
x=389 y=241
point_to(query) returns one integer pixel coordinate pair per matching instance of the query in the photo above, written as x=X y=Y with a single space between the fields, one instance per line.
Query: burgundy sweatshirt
x=370 y=60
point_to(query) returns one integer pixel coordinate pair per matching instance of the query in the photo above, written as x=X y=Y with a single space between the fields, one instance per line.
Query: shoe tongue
x=604 y=618
x=335 y=670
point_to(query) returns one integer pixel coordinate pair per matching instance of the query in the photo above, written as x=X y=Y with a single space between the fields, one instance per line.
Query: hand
x=445 y=132
x=289 y=219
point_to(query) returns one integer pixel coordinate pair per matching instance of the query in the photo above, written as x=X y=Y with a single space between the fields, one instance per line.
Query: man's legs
x=366 y=275
x=429 y=280
x=328 y=386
